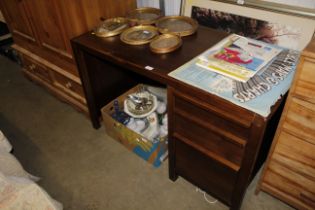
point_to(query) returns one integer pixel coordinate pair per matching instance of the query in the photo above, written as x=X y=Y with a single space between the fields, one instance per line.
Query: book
x=238 y=57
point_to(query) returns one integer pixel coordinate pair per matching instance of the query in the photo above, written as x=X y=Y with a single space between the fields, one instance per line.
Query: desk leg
x=87 y=87
x=171 y=142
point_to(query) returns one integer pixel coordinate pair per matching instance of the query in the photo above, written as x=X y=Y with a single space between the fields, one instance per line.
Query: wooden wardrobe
x=42 y=31
x=289 y=173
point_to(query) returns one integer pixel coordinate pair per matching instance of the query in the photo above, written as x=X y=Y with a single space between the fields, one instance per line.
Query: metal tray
x=138 y=35
x=180 y=25
x=144 y=15
x=165 y=43
x=111 y=27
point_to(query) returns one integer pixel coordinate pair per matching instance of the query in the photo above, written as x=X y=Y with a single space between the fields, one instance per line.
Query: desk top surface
x=140 y=56
x=137 y=58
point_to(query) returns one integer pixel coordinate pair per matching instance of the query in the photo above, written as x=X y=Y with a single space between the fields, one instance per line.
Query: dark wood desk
x=213 y=143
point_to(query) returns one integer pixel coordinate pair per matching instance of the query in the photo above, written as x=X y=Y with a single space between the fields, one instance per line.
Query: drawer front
x=290 y=191
x=300 y=119
x=204 y=172
x=305 y=85
x=219 y=147
x=37 y=69
x=296 y=155
x=207 y=117
x=69 y=86
x=291 y=171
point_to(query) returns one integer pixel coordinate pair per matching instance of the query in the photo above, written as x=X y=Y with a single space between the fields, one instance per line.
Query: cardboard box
x=154 y=153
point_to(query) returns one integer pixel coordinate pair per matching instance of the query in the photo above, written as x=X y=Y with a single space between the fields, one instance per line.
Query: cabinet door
x=49 y=26
x=81 y=16
x=16 y=16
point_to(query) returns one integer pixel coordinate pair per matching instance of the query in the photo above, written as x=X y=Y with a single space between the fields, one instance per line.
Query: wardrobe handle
x=69 y=85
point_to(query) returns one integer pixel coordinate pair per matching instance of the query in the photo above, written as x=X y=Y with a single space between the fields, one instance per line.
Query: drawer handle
x=68 y=85
x=32 y=67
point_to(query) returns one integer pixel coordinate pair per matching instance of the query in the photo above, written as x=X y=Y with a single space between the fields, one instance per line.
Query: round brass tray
x=138 y=35
x=111 y=27
x=144 y=15
x=165 y=43
x=181 y=25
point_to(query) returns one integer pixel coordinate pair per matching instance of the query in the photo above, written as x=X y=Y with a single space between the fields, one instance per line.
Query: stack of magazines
x=238 y=57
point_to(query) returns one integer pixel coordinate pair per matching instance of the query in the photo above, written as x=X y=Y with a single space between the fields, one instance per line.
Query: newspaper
x=238 y=57
x=258 y=94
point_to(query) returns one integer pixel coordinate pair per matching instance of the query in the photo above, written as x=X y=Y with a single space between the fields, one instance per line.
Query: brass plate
x=181 y=25
x=112 y=27
x=144 y=15
x=138 y=35
x=165 y=43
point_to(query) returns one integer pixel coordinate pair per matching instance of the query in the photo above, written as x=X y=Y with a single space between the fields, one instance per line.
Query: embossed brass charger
x=111 y=27
x=180 y=25
x=138 y=35
x=165 y=43
x=144 y=15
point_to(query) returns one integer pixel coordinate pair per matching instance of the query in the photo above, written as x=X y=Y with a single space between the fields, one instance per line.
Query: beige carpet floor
x=85 y=169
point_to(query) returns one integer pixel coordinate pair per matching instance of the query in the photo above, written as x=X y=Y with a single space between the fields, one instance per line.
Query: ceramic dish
x=141 y=109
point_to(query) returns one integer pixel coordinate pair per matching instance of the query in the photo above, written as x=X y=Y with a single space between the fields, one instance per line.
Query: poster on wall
x=285 y=30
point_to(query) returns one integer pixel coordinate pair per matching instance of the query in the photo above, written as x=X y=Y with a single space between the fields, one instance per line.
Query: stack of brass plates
x=144 y=15
x=180 y=25
x=165 y=43
x=112 y=27
x=138 y=35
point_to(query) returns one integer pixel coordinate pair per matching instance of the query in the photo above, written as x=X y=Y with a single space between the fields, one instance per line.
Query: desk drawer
x=219 y=147
x=203 y=171
x=36 y=69
x=205 y=116
x=300 y=119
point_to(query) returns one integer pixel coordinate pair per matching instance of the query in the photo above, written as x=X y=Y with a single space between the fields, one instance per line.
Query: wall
x=300 y=3
x=172 y=7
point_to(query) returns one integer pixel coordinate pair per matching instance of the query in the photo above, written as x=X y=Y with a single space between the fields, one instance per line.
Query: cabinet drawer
x=296 y=155
x=69 y=86
x=305 y=85
x=290 y=191
x=205 y=116
x=300 y=119
x=203 y=171
x=36 y=69
x=219 y=147
x=291 y=172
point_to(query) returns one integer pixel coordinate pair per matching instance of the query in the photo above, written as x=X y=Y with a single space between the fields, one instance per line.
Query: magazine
x=238 y=57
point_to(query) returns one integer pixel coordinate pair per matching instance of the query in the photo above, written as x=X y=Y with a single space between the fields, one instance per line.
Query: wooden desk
x=213 y=143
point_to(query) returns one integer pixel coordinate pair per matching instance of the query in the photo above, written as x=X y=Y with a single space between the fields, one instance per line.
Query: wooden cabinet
x=289 y=173
x=51 y=33
x=16 y=15
x=42 y=31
